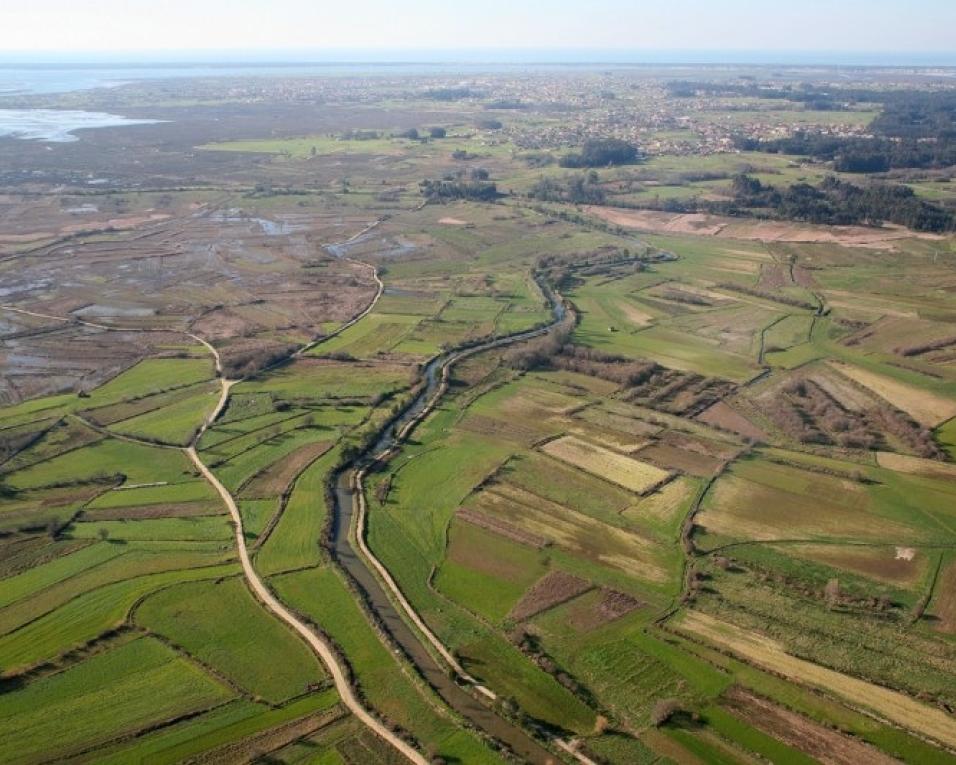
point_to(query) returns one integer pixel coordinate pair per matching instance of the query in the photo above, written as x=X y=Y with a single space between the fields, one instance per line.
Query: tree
x=601 y=153
x=103 y=533
x=438 y=132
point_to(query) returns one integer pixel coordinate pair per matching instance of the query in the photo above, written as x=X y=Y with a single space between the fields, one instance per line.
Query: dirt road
x=321 y=648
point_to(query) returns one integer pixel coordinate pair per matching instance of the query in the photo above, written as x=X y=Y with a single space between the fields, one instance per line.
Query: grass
x=110 y=457
x=321 y=379
x=234 y=471
x=612 y=321
x=117 y=692
x=173 y=424
x=230 y=722
x=152 y=376
x=478 y=450
x=857 y=640
x=733 y=728
x=374 y=335
x=321 y=594
x=22 y=585
x=173 y=493
x=625 y=666
x=295 y=541
x=822 y=709
x=901 y=709
x=198 y=528
x=761 y=500
x=485 y=572
x=135 y=559
x=924 y=406
x=87 y=616
x=222 y=625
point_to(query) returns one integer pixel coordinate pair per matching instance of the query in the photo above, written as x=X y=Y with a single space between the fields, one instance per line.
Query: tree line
x=837 y=202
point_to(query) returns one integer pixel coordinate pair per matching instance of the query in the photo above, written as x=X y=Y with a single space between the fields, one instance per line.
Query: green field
x=709 y=518
x=118 y=692
x=221 y=624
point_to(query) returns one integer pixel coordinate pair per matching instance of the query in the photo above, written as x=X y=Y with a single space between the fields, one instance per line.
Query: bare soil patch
x=672 y=458
x=142 y=512
x=552 y=589
x=508 y=430
x=274 y=480
x=608 y=606
x=823 y=744
x=722 y=415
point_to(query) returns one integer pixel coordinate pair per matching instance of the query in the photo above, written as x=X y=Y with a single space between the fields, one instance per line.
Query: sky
x=35 y=27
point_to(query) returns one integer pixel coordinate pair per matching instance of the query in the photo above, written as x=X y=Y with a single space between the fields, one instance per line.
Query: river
x=378 y=600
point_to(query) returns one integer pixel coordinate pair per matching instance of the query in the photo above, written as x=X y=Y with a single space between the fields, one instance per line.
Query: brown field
x=539 y=403
x=140 y=512
x=702 y=224
x=615 y=440
x=845 y=393
x=671 y=457
x=630 y=473
x=502 y=528
x=550 y=590
x=722 y=415
x=603 y=607
x=482 y=556
x=823 y=744
x=566 y=528
x=218 y=273
x=507 y=430
x=274 y=479
x=943 y=606
x=745 y=509
x=601 y=417
x=902 y=463
x=924 y=407
x=884 y=564
x=770 y=655
x=578 y=383
x=664 y=504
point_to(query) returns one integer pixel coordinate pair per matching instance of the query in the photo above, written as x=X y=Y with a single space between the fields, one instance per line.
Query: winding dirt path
x=322 y=649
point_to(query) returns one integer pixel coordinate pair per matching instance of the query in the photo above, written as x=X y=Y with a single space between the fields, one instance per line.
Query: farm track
x=322 y=649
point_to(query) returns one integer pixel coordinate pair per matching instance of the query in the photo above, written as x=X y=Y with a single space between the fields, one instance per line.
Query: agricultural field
x=360 y=419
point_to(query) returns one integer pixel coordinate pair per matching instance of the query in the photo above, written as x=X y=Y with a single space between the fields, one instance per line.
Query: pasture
x=222 y=625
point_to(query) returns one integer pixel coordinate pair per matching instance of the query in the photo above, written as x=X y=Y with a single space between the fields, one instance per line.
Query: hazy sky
x=732 y=25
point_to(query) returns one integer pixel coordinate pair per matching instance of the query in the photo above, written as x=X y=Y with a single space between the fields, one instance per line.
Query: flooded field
x=58 y=125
